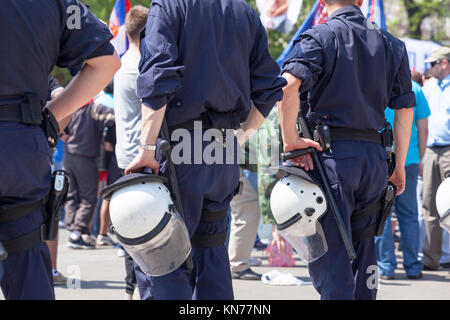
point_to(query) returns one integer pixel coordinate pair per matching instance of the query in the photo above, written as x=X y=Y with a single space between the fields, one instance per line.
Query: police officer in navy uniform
x=40 y=34
x=348 y=71
x=205 y=60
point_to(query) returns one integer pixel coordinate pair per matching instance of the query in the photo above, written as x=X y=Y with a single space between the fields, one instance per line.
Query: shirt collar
x=444 y=83
x=346 y=9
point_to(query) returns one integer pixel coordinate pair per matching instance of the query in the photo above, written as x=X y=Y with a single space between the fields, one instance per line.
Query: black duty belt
x=356 y=134
x=210 y=240
x=211 y=120
x=28 y=111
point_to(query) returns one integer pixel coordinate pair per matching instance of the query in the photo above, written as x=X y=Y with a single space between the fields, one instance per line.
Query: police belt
x=211 y=120
x=28 y=240
x=200 y=240
x=356 y=134
x=28 y=111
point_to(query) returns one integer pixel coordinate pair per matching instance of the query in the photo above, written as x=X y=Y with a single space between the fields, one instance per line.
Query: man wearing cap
x=437 y=155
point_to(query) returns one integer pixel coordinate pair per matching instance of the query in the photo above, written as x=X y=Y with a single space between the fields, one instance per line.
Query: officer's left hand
x=305 y=161
x=145 y=159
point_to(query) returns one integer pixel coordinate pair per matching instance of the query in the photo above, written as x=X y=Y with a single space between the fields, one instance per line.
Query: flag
x=117 y=26
x=372 y=9
x=317 y=15
x=374 y=12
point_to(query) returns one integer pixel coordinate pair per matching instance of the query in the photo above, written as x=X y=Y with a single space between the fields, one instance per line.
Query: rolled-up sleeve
x=266 y=83
x=160 y=76
x=84 y=37
x=402 y=95
x=305 y=60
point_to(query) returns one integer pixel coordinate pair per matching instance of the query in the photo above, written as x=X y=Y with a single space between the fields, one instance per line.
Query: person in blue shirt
x=437 y=154
x=202 y=61
x=406 y=204
x=39 y=35
x=347 y=71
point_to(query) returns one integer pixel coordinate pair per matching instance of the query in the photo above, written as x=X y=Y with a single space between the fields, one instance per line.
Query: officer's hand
x=305 y=161
x=145 y=159
x=398 y=178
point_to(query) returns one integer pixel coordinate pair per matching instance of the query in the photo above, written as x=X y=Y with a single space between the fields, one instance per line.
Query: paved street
x=102 y=272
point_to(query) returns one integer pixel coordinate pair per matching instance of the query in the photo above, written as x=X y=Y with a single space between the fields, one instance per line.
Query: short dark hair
x=135 y=21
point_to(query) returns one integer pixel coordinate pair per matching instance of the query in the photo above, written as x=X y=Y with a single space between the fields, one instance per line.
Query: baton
x=3 y=252
x=165 y=146
x=334 y=208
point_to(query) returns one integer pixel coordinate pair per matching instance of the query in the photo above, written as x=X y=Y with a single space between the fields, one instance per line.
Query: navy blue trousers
x=202 y=187
x=357 y=172
x=25 y=177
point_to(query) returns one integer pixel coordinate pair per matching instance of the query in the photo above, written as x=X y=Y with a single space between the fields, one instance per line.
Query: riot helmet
x=443 y=202
x=147 y=223
x=297 y=204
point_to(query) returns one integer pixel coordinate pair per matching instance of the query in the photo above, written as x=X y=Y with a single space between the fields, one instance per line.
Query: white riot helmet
x=296 y=205
x=443 y=202
x=147 y=224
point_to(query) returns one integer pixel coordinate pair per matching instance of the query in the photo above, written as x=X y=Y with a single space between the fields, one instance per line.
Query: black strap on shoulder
x=209 y=240
x=15 y=213
x=365 y=233
x=209 y=216
x=26 y=242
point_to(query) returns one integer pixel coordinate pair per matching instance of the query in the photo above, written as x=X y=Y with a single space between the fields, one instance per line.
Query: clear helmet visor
x=310 y=246
x=445 y=221
x=165 y=252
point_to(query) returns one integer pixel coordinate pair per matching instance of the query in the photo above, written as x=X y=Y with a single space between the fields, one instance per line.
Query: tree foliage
x=418 y=10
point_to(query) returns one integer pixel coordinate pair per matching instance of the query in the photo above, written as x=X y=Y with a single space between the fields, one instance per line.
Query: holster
x=55 y=202
x=391 y=164
x=387 y=201
x=381 y=208
x=50 y=127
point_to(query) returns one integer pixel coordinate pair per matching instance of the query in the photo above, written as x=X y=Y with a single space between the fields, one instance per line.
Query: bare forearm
x=151 y=124
x=422 y=129
x=288 y=109
x=249 y=127
x=402 y=133
x=94 y=76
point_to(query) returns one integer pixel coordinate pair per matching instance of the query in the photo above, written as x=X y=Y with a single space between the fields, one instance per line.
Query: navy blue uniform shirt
x=351 y=70
x=207 y=55
x=36 y=35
